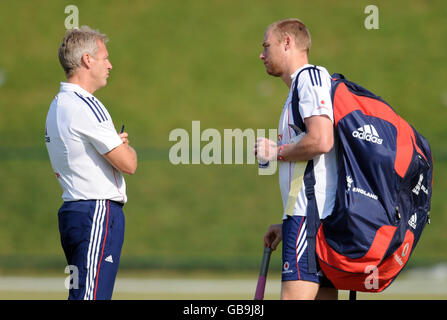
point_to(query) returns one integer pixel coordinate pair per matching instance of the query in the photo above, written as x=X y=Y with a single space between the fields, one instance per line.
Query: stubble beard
x=273 y=70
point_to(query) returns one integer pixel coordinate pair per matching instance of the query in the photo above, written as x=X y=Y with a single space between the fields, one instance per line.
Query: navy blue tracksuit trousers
x=92 y=235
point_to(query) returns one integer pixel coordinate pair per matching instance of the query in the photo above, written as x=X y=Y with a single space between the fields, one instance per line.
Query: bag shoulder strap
x=296 y=101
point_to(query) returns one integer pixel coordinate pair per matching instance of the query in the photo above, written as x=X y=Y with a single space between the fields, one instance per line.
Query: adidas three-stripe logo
x=95 y=107
x=368 y=133
x=314 y=75
x=413 y=221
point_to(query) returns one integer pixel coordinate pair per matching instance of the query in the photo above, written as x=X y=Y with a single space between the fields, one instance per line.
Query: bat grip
x=265 y=261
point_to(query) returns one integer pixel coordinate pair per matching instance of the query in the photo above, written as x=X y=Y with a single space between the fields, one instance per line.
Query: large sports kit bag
x=383 y=193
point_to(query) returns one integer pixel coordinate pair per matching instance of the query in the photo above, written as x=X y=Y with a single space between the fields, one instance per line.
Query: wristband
x=280 y=157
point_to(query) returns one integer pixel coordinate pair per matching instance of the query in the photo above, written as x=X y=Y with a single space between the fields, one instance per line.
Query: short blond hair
x=75 y=44
x=296 y=29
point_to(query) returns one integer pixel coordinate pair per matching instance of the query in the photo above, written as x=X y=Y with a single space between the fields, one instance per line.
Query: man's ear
x=86 y=60
x=287 y=42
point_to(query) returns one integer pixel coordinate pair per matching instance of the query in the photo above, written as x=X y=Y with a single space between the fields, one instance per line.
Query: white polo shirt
x=79 y=130
x=314 y=99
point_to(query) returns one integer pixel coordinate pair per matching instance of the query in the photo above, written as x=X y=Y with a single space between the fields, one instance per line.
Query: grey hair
x=75 y=44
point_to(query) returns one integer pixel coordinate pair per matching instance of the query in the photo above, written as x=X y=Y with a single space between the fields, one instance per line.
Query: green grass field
x=179 y=61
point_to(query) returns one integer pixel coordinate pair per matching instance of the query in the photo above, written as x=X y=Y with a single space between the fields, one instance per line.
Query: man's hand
x=123 y=137
x=265 y=149
x=273 y=236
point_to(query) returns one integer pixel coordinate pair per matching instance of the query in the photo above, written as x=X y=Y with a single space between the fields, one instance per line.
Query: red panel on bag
x=374 y=255
x=373 y=277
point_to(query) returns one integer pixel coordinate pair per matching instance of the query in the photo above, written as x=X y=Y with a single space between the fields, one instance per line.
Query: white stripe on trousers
x=93 y=248
x=301 y=242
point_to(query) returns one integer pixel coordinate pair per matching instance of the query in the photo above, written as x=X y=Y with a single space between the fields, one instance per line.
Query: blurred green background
x=175 y=62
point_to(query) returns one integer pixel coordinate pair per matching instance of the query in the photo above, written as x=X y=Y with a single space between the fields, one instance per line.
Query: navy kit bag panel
x=383 y=196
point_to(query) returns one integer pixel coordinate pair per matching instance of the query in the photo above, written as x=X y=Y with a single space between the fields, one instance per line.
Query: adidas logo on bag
x=368 y=133
x=413 y=220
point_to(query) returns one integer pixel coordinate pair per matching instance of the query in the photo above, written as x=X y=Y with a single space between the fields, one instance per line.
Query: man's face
x=272 y=55
x=100 y=66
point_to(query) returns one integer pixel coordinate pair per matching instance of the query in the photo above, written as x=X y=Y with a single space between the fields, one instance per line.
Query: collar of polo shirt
x=67 y=86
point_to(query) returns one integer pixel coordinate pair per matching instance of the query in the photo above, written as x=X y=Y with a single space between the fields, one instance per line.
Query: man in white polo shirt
x=88 y=157
x=307 y=158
